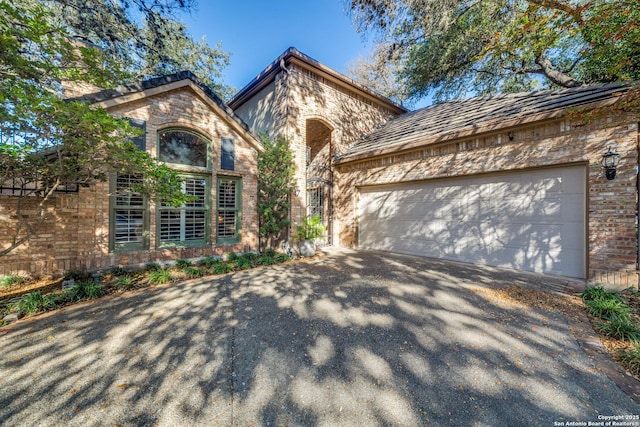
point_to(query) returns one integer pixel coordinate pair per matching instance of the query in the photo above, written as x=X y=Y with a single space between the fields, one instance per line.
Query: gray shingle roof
x=458 y=118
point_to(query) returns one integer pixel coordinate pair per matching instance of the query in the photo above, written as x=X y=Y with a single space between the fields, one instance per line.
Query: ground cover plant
x=616 y=318
x=51 y=295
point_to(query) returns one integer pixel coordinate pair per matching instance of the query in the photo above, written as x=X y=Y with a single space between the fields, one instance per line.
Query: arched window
x=179 y=146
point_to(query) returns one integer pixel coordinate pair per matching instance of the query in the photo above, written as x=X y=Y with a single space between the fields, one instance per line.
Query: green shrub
x=152 y=266
x=631 y=360
x=270 y=252
x=209 y=262
x=266 y=260
x=181 y=264
x=84 y=290
x=249 y=256
x=620 y=328
x=608 y=307
x=34 y=302
x=232 y=256
x=243 y=264
x=223 y=268
x=282 y=258
x=160 y=277
x=593 y=292
x=116 y=270
x=12 y=279
x=193 y=272
x=125 y=283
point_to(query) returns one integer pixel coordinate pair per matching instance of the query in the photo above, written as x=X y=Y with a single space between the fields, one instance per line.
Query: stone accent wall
x=75 y=234
x=611 y=205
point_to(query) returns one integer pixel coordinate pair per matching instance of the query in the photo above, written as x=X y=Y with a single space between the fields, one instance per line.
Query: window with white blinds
x=128 y=223
x=187 y=224
x=229 y=209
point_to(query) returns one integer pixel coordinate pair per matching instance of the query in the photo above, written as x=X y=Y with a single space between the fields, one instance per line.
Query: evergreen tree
x=276 y=182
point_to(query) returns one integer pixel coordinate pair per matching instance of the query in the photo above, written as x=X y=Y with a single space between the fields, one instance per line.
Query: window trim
x=182 y=166
x=207 y=217
x=126 y=247
x=238 y=209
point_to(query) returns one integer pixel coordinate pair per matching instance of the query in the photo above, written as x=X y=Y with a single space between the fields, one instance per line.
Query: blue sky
x=257 y=32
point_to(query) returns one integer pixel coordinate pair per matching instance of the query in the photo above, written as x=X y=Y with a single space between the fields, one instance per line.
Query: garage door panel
x=530 y=220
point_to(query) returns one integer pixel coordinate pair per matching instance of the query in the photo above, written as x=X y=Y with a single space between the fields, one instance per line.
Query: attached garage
x=530 y=220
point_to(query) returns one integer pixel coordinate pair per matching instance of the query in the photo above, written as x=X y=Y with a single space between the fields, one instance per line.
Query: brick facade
x=611 y=205
x=320 y=114
x=75 y=234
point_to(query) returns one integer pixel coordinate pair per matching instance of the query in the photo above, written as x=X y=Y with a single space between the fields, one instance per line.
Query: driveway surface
x=355 y=338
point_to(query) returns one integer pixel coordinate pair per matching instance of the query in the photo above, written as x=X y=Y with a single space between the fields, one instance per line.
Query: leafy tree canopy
x=488 y=46
x=46 y=142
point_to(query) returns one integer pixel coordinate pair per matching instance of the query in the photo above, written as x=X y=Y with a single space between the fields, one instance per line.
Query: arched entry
x=319 y=176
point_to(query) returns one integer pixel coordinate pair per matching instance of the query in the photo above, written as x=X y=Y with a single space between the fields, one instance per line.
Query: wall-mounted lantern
x=610 y=161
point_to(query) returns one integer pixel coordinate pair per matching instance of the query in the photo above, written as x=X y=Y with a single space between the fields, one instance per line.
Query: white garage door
x=532 y=220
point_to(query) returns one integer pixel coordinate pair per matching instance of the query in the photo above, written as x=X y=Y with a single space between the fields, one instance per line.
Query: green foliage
x=47 y=142
x=243 y=264
x=249 y=256
x=209 y=262
x=266 y=260
x=276 y=184
x=280 y=258
x=631 y=360
x=12 y=280
x=621 y=328
x=117 y=271
x=182 y=264
x=494 y=46
x=232 y=256
x=152 y=266
x=593 y=292
x=34 y=302
x=193 y=272
x=160 y=277
x=270 y=252
x=83 y=290
x=608 y=307
x=223 y=268
x=125 y=283
x=311 y=228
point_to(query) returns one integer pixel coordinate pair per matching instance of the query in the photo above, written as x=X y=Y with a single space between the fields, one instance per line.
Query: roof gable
x=292 y=55
x=464 y=117
x=133 y=92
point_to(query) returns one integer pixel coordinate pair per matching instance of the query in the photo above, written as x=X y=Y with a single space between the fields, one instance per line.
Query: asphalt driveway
x=352 y=339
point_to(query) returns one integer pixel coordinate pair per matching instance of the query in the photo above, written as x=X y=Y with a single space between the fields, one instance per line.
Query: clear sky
x=257 y=32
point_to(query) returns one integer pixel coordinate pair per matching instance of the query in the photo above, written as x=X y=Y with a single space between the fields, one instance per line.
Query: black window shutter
x=228 y=154
x=139 y=141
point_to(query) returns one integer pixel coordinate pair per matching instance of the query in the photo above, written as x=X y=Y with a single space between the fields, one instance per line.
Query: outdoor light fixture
x=610 y=161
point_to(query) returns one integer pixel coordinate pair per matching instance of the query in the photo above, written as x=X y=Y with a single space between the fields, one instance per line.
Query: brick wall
x=611 y=205
x=300 y=104
x=75 y=234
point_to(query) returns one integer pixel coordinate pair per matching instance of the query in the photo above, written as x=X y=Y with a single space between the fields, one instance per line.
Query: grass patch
x=12 y=280
x=223 y=268
x=181 y=264
x=266 y=260
x=620 y=328
x=209 y=262
x=193 y=272
x=84 y=290
x=160 y=277
x=35 y=302
x=631 y=360
x=152 y=266
x=125 y=283
x=609 y=306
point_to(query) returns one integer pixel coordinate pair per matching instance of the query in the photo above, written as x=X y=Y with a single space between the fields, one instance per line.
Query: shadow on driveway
x=353 y=338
